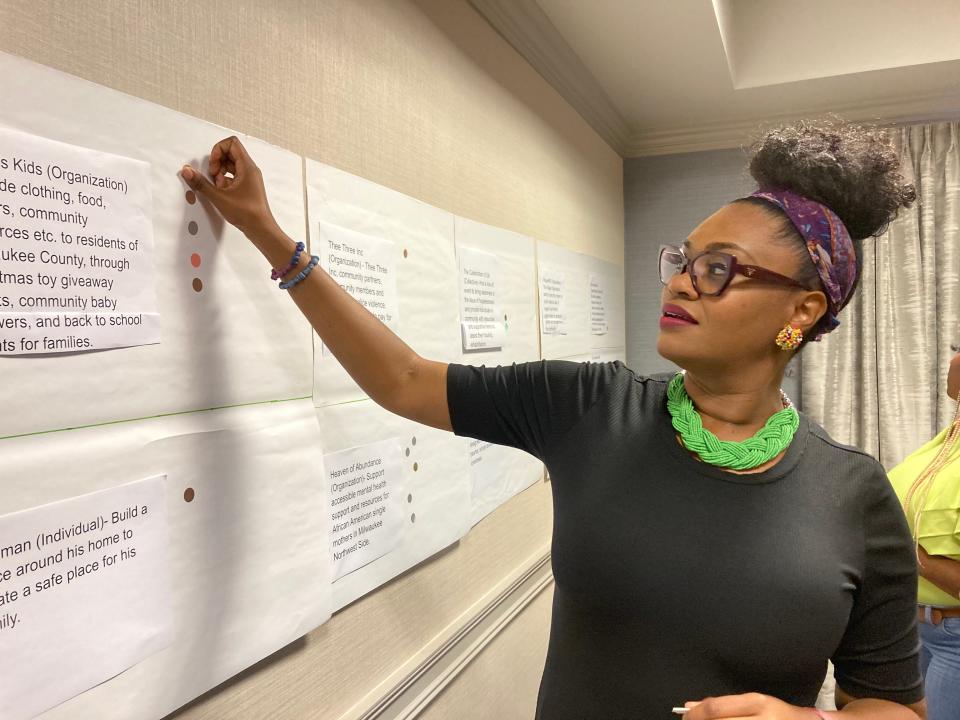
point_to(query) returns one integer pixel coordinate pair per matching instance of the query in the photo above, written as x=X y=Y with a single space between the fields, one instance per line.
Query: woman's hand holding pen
x=750 y=706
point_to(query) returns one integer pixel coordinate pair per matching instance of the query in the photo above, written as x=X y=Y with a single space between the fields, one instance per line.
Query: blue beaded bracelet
x=314 y=260
x=276 y=274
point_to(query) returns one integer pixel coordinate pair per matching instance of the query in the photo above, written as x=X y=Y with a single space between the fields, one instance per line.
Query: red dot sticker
x=195 y=260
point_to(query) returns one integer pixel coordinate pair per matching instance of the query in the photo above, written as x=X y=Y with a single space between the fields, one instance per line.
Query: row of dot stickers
x=193 y=228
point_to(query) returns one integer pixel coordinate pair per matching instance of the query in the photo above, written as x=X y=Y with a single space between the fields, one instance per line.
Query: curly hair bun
x=852 y=169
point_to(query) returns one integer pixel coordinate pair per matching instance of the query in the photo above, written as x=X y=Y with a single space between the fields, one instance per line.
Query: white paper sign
x=553 y=301
x=364 y=266
x=599 y=324
x=481 y=321
x=497 y=474
x=366 y=504
x=84 y=593
x=76 y=249
x=605 y=355
x=486 y=466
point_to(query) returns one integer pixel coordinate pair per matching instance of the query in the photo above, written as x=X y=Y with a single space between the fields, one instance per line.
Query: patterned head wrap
x=828 y=243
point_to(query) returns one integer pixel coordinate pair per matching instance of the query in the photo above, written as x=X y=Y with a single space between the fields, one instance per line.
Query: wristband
x=301 y=275
x=276 y=273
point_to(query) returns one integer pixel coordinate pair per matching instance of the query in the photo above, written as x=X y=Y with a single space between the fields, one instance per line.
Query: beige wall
x=502 y=683
x=418 y=95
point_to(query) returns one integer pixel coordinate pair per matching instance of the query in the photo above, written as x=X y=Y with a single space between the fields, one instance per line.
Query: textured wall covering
x=423 y=97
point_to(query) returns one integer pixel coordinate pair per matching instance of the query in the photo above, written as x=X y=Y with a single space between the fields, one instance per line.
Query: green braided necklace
x=771 y=440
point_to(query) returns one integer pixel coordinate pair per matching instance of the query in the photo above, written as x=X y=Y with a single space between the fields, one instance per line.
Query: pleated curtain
x=878 y=382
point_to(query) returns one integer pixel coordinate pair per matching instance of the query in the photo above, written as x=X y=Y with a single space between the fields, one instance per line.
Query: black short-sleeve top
x=676 y=580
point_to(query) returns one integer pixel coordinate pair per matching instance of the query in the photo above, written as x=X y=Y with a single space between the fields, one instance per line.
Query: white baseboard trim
x=409 y=690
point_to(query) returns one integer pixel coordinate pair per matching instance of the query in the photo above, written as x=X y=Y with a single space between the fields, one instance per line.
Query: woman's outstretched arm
x=388 y=370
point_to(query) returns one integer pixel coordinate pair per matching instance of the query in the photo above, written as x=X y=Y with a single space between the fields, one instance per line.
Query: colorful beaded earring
x=789 y=338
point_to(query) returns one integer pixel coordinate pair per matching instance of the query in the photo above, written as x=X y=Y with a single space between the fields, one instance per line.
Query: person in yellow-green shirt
x=928 y=485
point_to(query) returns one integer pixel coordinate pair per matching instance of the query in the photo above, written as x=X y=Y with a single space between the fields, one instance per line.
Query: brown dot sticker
x=197 y=284
x=195 y=260
x=404 y=252
x=416 y=467
x=192 y=227
x=189 y=494
x=191 y=197
x=504 y=317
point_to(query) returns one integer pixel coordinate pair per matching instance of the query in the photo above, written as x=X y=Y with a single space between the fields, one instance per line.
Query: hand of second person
x=953 y=377
x=237 y=190
x=750 y=705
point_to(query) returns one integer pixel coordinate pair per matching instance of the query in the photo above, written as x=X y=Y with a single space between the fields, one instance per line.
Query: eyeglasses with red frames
x=712 y=271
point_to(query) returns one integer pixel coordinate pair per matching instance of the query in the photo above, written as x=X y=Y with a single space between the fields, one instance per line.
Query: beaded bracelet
x=302 y=274
x=276 y=274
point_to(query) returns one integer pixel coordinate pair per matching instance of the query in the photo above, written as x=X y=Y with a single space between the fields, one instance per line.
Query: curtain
x=878 y=382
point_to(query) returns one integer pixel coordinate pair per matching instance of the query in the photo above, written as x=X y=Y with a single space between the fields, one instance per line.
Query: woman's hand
x=237 y=190
x=751 y=705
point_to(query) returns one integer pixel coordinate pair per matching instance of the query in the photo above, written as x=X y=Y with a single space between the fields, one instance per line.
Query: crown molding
x=524 y=25
x=527 y=28
x=718 y=136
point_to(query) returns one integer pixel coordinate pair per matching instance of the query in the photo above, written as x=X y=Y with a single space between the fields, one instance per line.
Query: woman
x=928 y=485
x=686 y=568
